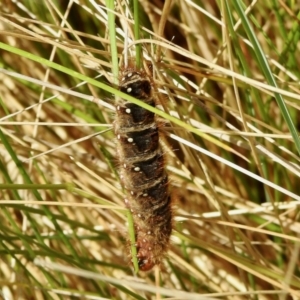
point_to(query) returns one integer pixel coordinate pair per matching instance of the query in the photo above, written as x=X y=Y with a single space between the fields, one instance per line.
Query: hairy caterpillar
x=142 y=170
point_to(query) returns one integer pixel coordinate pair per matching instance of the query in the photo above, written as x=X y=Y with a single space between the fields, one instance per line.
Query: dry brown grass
x=63 y=232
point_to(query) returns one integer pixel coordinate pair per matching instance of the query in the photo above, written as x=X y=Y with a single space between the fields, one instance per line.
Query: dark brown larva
x=142 y=170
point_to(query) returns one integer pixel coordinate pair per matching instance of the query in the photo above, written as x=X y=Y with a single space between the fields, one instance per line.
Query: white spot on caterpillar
x=145 y=195
x=125 y=166
x=139 y=215
x=118 y=107
x=129 y=75
x=130 y=140
x=126 y=201
x=132 y=192
x=129 y=90
x=118 y=136
x=149 y=232
x=137 y=169
x=128 y=110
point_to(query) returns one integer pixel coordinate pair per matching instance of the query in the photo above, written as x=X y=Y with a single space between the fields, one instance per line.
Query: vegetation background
x=226 y=79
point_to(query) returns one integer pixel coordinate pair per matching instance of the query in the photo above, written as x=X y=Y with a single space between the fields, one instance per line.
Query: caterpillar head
x=145 y=255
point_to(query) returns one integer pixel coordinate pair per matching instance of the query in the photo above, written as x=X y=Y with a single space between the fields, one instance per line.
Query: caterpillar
x=142 y=170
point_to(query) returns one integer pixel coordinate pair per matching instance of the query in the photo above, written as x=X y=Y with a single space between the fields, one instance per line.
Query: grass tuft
x=226 y=80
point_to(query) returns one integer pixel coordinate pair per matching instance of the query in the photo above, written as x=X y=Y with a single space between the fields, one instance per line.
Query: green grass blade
x=263 y=63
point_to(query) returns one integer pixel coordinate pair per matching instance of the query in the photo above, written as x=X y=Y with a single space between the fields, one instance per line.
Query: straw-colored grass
x=226 y=80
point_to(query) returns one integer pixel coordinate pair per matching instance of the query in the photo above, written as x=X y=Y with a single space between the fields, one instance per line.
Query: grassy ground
x=226 y=79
